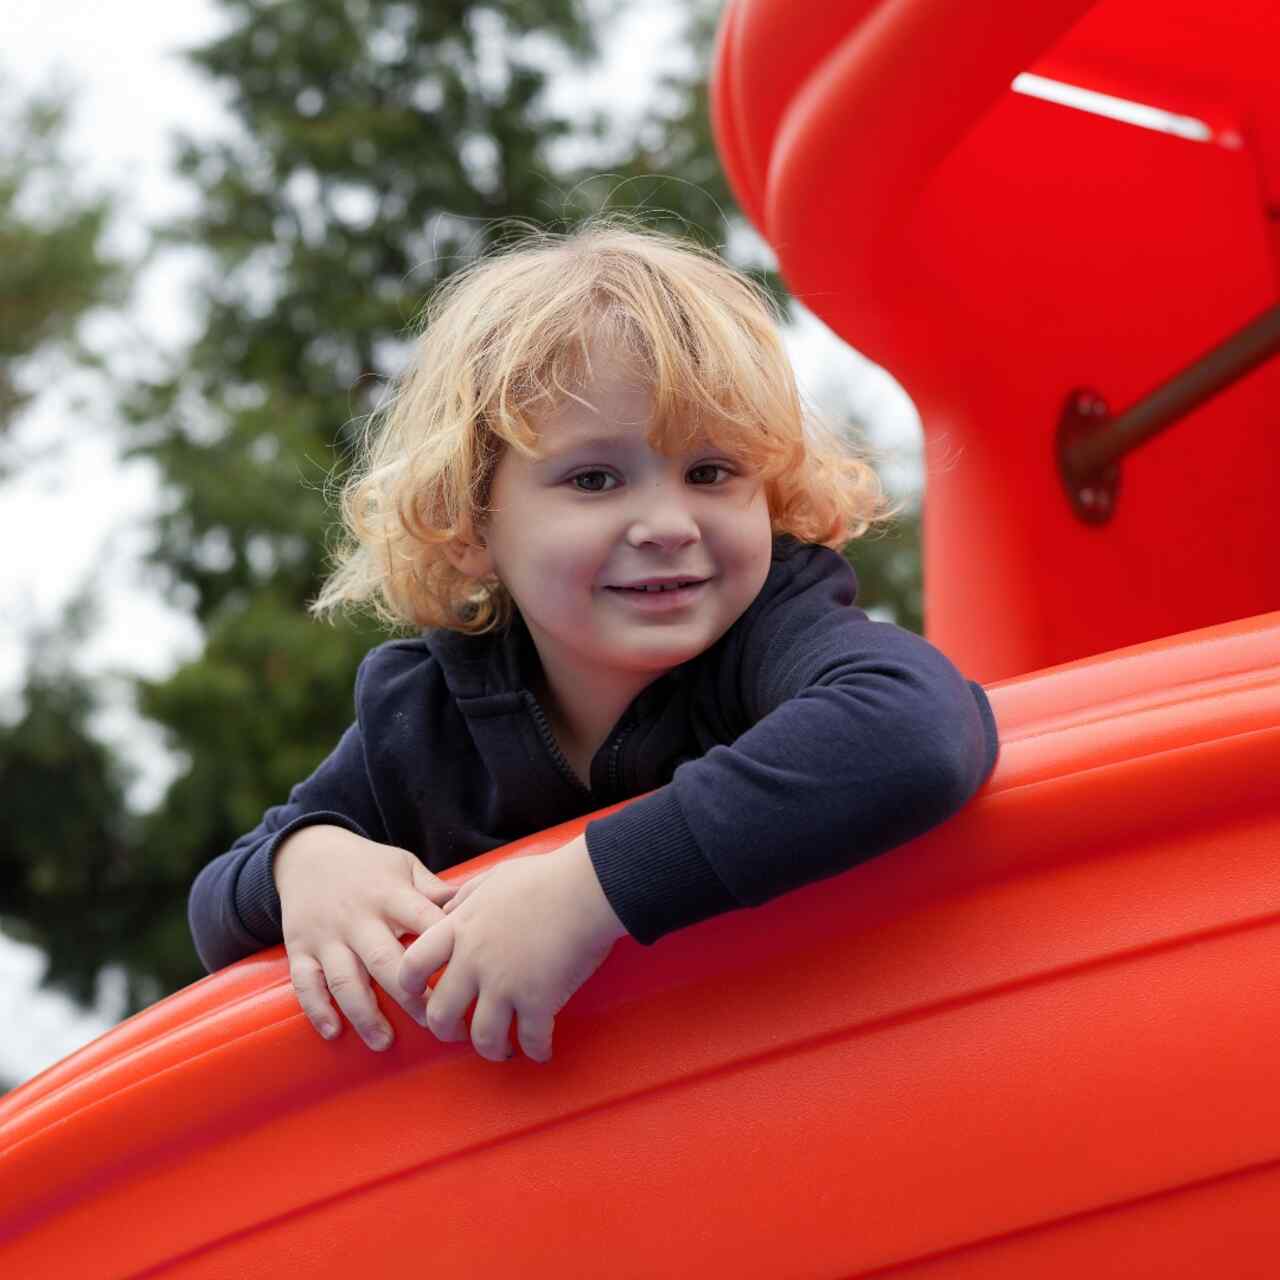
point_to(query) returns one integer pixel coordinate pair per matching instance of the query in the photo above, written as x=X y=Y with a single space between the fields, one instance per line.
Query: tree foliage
x=52 y=265
x=63 y=836
x=69 y=847
x=376 y=146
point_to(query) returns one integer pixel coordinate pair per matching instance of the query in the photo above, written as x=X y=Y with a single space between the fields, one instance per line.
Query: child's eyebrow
x=613 y=443
x=610 y=442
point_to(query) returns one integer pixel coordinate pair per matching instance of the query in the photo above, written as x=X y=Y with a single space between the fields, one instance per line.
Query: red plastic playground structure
x=1043 y=1040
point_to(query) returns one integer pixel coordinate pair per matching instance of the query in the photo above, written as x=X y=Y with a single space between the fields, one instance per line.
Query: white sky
x=88 y=508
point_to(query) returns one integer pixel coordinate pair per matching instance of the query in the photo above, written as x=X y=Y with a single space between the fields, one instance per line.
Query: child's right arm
x=324 y=874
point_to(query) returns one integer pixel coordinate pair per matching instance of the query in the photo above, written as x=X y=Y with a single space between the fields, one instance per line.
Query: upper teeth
x=661 y=586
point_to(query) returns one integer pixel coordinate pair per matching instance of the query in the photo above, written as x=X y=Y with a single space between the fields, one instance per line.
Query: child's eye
x=708 y=473
x=593 y=481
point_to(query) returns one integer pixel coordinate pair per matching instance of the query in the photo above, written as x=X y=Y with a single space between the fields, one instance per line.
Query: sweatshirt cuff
x=990 y=730
x=652 y=870
x=256 y=899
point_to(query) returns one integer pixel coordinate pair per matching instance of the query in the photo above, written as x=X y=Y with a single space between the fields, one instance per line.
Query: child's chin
x=662 y=657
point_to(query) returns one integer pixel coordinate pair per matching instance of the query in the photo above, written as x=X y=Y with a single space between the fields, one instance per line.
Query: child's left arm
x=522 y=938
x=848 y=738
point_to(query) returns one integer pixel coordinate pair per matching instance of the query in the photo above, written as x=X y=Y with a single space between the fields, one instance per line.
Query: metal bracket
x=1089 y=443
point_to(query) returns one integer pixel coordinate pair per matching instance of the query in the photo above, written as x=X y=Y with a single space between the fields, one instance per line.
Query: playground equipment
x=1044 y=1039
x=1029 y=270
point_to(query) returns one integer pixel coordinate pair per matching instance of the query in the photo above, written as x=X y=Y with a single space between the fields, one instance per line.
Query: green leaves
x=52 y=265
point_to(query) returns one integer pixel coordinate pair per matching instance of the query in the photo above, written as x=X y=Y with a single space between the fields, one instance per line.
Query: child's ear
x=469 y=555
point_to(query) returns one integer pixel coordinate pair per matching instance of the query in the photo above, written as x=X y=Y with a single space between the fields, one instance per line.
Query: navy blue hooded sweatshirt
x=806 y=740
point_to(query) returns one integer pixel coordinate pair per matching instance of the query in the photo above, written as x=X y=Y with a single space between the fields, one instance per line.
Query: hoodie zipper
x=549 y=741
x=615 y=750
x=548 y=737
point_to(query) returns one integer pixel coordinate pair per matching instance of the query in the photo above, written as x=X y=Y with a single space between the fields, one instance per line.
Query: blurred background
x=218 y=222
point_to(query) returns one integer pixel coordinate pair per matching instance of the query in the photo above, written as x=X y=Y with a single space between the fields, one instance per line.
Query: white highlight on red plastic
x=1103 y=104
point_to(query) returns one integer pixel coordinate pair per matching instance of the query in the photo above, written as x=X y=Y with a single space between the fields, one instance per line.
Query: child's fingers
x=491 y=1028
x=535 y=1032
x=424 y=957
x=448 y=1002
x=465 y=891
x=380 y=951
x=411 y=912
x=431 y=886
x=349 y=985
x=307 y=977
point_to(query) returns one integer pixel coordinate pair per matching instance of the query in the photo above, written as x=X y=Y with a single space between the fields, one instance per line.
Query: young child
x=597 y=494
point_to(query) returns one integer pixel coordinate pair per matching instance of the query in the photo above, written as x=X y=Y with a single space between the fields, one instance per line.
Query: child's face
x=600 y=513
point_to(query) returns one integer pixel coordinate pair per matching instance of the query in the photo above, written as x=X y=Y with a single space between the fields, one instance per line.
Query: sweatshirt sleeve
x=863 y=736
x=234 y=909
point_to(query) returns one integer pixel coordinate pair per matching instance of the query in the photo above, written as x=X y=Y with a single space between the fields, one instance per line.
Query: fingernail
x=379 y=1040
x=328 y=1030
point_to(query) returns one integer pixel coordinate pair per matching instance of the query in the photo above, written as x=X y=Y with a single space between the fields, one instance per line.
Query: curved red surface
x=1042 y=1041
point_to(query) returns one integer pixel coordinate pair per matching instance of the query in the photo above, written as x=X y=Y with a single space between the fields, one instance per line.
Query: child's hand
x=344 y=902
x=522 y=938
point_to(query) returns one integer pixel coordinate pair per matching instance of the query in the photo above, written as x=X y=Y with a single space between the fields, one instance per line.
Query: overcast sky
x=89 y=508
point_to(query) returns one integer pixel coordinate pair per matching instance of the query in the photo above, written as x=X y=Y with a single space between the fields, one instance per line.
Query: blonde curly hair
x=505 y=341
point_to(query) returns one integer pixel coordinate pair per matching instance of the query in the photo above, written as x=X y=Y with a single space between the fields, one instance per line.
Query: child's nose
x=663 y=521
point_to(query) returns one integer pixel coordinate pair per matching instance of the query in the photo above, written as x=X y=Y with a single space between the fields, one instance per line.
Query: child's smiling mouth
x=660 y=593
x=652 y=585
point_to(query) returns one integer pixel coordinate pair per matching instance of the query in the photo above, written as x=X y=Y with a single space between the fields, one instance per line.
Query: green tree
x=68 y=844
x=60 y=792
x=52 y=265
